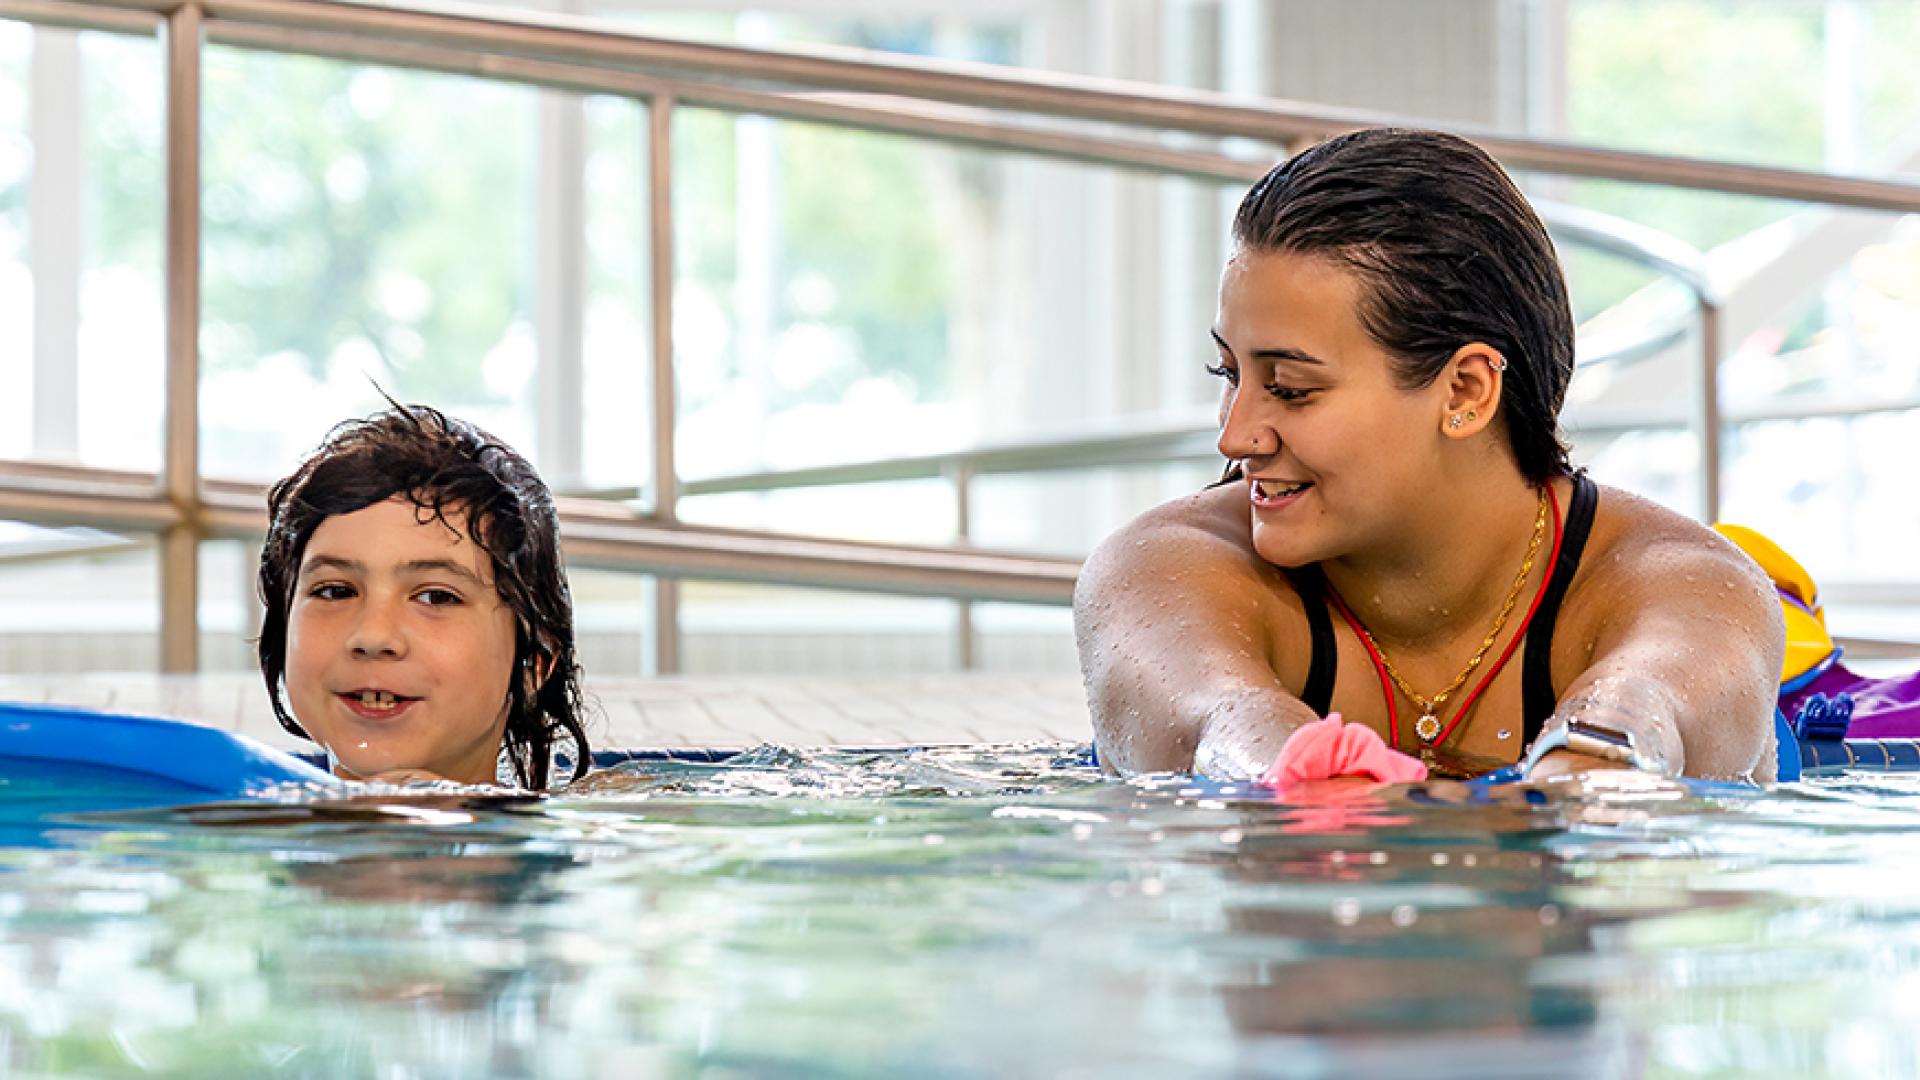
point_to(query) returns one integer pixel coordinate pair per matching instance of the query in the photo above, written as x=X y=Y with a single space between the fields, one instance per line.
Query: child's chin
x=364 y=765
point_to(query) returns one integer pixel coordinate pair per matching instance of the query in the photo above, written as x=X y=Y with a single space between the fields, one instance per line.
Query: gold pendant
x=1428 y=728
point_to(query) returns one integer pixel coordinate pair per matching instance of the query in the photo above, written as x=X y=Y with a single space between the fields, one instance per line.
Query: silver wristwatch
x=1593 y=740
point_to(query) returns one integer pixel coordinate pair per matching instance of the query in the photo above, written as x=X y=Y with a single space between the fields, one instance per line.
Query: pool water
x=979 y=912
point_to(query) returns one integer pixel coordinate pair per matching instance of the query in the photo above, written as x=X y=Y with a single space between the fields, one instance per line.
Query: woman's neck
x=1449 y=569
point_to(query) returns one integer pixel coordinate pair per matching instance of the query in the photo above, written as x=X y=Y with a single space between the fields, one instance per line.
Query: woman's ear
x=1473 y=378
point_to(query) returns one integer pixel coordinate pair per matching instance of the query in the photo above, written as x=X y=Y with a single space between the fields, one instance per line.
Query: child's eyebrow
x=415 y=566
x=331 y=562
x=424 y=566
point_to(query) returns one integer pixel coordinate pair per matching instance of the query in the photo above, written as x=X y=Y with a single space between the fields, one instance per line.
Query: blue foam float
x=143 y=753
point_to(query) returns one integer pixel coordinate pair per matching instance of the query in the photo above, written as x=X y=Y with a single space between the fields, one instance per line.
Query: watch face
x=1597 y=741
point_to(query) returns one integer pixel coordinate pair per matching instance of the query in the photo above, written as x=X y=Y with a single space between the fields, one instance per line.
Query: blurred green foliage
x=1733 y=79
x=386 y=206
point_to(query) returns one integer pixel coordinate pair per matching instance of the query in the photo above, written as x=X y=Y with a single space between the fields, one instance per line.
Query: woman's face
x=399 y=647
x=1333 y=449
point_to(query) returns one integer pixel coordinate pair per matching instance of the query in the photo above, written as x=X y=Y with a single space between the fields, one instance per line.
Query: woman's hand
x=1332 y=748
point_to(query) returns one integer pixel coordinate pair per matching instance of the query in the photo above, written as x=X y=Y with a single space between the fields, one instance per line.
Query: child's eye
x=437 y=597
x=1222 y=371
x=1288 y=393
x=331 y=591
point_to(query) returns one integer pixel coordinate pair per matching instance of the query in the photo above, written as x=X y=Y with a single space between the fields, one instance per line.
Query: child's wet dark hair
x=1447 y=251
x=443 y=465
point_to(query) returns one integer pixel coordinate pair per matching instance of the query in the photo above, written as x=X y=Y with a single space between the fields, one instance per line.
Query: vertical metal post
x=180 y=470
x=1707 y=419
x=53 y=227
x=960 y=475
x=559 y=314
x=666 y=477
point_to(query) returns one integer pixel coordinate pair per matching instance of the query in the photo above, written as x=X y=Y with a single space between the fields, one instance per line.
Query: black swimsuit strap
x=1537 y=699
x=1536 y=687
x=1323 y=652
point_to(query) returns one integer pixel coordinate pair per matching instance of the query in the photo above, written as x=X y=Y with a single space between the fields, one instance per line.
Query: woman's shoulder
x=1214 y=520
x=1638 y=546
x=1207 y=534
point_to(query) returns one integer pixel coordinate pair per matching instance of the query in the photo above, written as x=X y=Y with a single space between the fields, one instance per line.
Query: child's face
x=399 y=647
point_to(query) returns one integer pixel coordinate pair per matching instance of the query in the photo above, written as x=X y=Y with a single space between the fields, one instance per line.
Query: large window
x=844 y=296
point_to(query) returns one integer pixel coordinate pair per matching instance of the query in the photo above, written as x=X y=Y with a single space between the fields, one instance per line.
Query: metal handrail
x=580 y=54
x=584 y=42
x=595 y=535
x=587 y=42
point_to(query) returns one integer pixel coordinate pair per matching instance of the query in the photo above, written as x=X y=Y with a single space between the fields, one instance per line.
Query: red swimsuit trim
x=1380 y=665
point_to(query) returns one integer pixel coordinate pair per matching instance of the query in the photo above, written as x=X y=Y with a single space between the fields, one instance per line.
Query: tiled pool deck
x=635 y=713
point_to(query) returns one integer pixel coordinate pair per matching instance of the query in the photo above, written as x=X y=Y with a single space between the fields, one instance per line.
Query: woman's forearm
x=1641 y=706
x=1241 y=734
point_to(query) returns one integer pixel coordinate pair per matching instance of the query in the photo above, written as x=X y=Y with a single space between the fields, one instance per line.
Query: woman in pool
x=1400 y=540
x=418 y=623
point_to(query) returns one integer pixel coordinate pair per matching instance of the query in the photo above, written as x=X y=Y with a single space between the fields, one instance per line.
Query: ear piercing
x=1456 y=421
x=1499 y=363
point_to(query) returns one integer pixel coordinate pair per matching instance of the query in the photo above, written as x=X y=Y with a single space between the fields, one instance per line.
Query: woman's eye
x=331 y=591
x=1288 y=393
x=1222 y=371
x=437 y=597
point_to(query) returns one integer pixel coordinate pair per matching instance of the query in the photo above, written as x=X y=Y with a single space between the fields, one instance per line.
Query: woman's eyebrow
x=1294 y=355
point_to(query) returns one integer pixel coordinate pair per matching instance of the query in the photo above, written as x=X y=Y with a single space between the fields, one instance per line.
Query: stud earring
x=1472 y=416
x=1454 y=422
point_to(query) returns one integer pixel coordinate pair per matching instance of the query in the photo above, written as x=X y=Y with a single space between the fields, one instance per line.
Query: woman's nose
x=1243 y=433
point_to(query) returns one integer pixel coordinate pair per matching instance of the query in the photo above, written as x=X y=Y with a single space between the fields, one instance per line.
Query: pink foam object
x=1331 y=748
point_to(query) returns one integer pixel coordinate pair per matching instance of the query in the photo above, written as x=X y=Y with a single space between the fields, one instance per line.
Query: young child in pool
x=418 y=623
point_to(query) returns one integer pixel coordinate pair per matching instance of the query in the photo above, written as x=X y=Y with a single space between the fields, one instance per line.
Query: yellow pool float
x=1808 y=643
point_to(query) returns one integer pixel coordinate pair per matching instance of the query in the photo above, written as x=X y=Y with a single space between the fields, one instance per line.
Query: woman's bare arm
x=1686 y=657
x=1174 y=624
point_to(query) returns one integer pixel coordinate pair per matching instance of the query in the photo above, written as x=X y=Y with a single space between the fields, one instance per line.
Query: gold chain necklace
x=1428 y=726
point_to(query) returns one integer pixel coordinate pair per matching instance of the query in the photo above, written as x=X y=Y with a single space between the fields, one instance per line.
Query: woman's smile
x=1273 y=495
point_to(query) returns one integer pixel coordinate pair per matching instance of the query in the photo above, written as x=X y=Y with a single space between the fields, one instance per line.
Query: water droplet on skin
x=1503 y=733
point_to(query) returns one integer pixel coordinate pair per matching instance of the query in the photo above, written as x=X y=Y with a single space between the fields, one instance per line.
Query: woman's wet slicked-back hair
x=1448 y=252
x=443 y=465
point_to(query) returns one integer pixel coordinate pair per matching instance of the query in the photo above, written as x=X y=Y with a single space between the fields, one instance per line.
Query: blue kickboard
x=170 y=756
